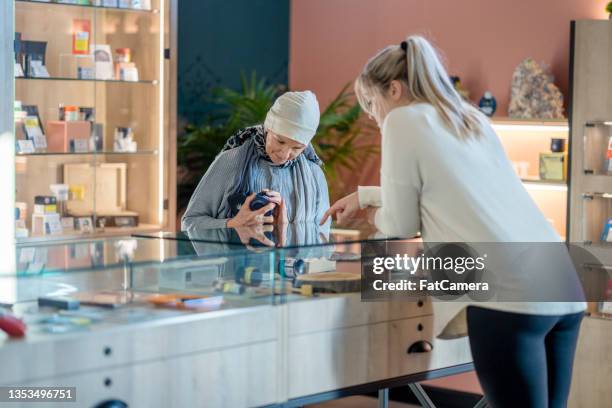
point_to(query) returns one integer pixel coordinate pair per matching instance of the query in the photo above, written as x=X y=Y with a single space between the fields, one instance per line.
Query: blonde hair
x=425 y=79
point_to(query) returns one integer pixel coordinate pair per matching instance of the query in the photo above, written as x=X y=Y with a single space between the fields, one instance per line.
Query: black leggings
x=523 y=360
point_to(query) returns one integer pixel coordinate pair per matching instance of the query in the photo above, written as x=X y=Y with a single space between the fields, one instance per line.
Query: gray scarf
x=253 y=141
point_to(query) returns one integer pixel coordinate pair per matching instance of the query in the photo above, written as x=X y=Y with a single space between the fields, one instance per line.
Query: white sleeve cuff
x=369 y=196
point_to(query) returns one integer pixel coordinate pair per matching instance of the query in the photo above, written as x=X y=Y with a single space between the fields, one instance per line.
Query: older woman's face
x=282 y=149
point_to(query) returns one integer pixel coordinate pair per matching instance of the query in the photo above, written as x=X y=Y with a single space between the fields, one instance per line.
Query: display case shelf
x=106 y=232
x=528 y=125
x=102 y=153
x=597 y=136
x=592 y=182
x=597 y=214
x=90 y=6
x=112 y=81
x=541 y=182
x=596 y=123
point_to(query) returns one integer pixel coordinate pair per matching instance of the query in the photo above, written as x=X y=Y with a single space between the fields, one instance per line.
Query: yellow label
x=50 y=208
x=81 y=42
x=77 y=192
x=31 y=121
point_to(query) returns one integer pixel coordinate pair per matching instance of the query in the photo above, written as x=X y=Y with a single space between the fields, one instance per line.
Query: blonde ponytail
x=416 y=64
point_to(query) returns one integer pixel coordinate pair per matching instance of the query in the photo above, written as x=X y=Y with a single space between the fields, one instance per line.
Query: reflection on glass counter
x=206 y=262
x=110 y=273
x=281 y=236
x=87 y=255
x=302 y=248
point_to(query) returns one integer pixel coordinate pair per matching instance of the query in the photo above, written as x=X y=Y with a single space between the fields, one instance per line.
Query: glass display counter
x=122 y=264
x=195 y=271
x=173 y=320
x=300 y=247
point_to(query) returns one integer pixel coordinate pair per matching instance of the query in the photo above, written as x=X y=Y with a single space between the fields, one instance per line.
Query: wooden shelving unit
x=591 y=184
x=590 y=198
x=147 y=106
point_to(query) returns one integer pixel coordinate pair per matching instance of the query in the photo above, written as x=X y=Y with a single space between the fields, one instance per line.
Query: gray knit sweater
x=302 y=185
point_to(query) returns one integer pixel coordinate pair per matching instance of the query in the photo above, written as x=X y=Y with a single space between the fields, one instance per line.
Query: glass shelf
x=544 y=182
x=72 y=235
x=40 y=259
x=599 y=123
x=597 y=136
x=114 y=81
x=598 y=195
x=526 y=126
x=537 y=185
x=143 y=152
x=90 y=6
x=597 y=214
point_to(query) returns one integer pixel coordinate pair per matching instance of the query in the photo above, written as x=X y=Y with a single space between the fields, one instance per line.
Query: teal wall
x=217 y=39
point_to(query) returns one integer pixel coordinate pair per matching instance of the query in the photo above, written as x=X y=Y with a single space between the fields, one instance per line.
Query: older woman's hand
x=255 y=234
x=273 y=196
x=280 y=211
x=247 y=217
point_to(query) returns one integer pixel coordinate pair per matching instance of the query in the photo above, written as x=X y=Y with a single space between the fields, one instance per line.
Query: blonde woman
x=444 y=173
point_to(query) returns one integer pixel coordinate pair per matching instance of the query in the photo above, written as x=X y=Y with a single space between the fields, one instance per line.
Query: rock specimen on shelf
x=533 y=93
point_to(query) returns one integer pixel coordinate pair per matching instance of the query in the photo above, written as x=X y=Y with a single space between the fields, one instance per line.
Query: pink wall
x=482 y=40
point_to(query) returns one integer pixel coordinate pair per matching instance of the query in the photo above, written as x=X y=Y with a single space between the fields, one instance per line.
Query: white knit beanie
x=294 y=115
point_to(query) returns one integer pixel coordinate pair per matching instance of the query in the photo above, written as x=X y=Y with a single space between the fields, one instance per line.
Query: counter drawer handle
x=113 y=403
x=421 y=346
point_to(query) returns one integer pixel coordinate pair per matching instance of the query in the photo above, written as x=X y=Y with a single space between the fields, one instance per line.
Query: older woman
x=275 y=158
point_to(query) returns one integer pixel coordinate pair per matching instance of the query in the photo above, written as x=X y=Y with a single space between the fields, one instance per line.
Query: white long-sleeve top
x=454 y=190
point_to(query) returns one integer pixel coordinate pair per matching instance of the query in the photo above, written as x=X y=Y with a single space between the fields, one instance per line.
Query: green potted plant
x=609 y=10
x=336 y=141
